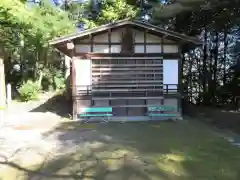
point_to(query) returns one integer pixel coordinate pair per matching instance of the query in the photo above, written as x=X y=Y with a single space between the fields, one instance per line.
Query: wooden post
x=70 y=47
x=67 y=61
x=74 y=100
x=2 y=91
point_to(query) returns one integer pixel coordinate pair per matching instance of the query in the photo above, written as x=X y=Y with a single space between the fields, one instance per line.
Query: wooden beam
x=145 y=40
x=134 y=106
x=109 y=40
x=128 y=82
x=74 y=89
x=154 y=68
x=135 y=58
x=162 y=44
x=118 y=43
x=127 y=56
x=97 y=79
x=126 y=85
x=91 y=42
x=124 y=73
x=126 y=65
x=128 y=90
x=63 y=49
x=115 y=98
x=128 y=79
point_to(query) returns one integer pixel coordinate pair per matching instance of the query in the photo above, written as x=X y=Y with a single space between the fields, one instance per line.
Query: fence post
x=9 y=94
x=2 y=92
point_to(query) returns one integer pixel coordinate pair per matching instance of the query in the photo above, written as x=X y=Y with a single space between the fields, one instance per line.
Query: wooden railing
x=135 y=92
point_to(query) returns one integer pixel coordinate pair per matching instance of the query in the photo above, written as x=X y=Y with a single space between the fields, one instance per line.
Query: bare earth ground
x=42 y=146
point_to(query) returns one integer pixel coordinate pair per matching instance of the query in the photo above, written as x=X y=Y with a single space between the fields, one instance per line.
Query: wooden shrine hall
x=125 y=71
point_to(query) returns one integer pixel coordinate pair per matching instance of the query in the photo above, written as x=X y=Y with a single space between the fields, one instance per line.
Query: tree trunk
x=204 y=82
x=225 y=56
x=215 y=68
x=215 y=58
x=189 y=78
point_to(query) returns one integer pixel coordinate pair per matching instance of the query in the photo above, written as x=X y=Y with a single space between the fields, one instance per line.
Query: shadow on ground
x=57 y=105
x=140 y=151
x=224 y=119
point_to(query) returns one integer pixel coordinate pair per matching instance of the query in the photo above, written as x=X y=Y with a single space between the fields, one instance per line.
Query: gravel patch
x=22 y=136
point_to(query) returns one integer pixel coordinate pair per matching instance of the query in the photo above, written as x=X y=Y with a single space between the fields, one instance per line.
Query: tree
x=36 y=25
x=95 y=13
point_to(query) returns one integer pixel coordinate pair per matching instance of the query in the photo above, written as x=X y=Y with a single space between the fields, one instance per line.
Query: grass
x=183 y=150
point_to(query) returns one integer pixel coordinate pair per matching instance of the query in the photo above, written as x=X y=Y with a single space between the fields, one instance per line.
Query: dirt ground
x=183 y=150
x=24 y=122
x=36 y=142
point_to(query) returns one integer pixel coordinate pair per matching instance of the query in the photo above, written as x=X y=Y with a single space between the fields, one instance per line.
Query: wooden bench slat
x=162 y=115
x=161 y=108
x=96 y=109
x=95 y=115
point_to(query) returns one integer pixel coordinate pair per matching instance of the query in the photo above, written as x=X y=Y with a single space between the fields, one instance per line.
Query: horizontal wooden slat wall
x=113 y=75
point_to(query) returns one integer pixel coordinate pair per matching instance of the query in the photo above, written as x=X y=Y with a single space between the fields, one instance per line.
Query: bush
x=29 y=91
x=59 y=80
x=47 y=80
x=53 y=79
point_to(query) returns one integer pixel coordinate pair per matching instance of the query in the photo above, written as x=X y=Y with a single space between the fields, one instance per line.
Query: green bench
x=156 y=111
x=95 y=112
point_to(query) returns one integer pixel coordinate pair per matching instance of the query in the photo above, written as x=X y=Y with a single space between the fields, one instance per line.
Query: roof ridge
x=125 y=22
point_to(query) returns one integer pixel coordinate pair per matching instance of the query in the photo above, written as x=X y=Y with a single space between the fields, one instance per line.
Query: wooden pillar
x=70 y=47
x=67 y=62
x=74 y=93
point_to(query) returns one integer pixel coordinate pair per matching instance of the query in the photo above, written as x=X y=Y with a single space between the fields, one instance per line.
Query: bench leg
x=105 y=120
x=85 y=120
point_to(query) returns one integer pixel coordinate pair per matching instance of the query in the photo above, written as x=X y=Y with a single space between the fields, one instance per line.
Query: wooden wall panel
x=101 y=103
x=139 y=48
x=138 y=36
x=171 y=102
x=170 y=71
x=101 y=38
x=115 y=48
x=168 y=41
x=119 y=111
x=112 y=75
x=143 y=41
x=83 y=48
x=153 y=48
x=152 y=39
x=100 y=48
x=116 y=35
x=170 y=48
x=156 y=102
x=83 y=73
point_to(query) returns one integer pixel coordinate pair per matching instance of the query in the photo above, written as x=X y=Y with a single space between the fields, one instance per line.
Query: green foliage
x=35 y=25
x=59 y=80
x=29 y=91
x=118 y=10
x=106 y=11
x=47 y=80
x=53 y=79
